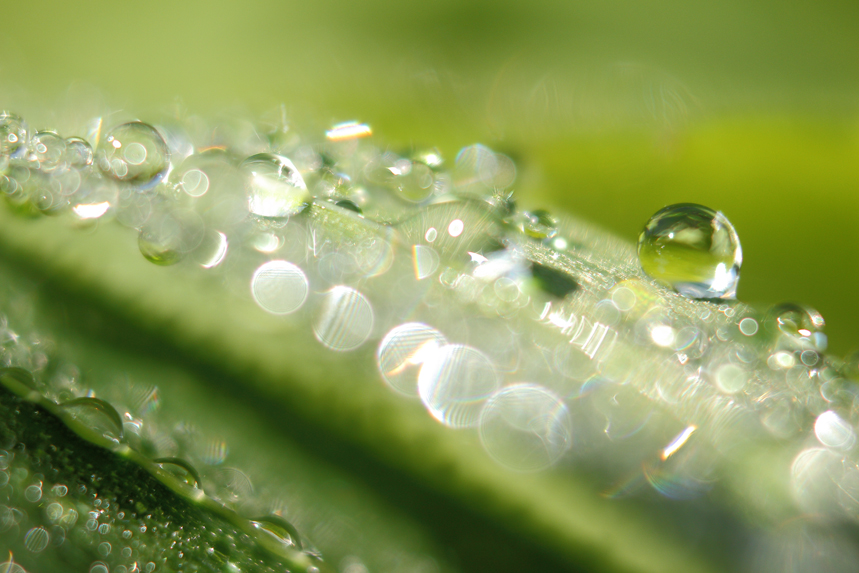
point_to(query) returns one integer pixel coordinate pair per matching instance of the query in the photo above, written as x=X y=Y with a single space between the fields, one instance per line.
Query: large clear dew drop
x=694 y=249
x=134 y=153
x=275 y=188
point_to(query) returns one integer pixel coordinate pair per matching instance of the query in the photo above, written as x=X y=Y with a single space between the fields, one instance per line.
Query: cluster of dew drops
x=433 y=260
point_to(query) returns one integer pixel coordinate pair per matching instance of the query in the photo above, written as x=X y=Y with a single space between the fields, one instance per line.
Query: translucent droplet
x=799 y=324
x=14 y=137
x=536 y=224
x=79 y=152
x=832 y=431
x=277 y=532
x=36 y=539
x=402 y=353
x=748 y=326
x=525 y=427
x=168 y=236
x=279 y=287
x=454 y=383
x=345 y=319
x=48 y=150
x=134 y=153
x=275 y=187
x=693 y=249
x=180 y=469
x=97 y=415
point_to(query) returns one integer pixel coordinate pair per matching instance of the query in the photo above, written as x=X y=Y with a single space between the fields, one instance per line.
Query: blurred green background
x=612 y=109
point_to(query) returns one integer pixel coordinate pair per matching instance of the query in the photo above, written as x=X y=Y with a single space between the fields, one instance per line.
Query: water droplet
x=535 y=224
x=99 y=567
x=213 y=250
x=277 y=532
x=48 y=151
x=275 y=187
x=168 y=236
x=180 y=469
x=832 y=431
x=79 y=152
x=525 y=427
x=799 y=324
x=345 y=319
x=96 y=414
x=13 y=136
x=454 y=383
x=134 y=153
x=402 y=353
x=36 y=539
x=279 y=287
x=693 y=249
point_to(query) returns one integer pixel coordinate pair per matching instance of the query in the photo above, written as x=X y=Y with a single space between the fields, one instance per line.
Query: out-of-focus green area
x=611 y=109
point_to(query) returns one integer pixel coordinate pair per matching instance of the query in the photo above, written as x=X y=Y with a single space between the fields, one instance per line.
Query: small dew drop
x=96 y=414
x=134 y=153
x=181 y=470
x=693 y=249
x=276 y=532
x=275 y=188
x=13 y=136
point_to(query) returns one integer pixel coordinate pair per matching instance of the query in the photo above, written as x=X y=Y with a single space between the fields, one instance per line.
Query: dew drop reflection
x=402 y=353
x=279 y=287
x=525 y=427
x=454 y=384
x=345 y=319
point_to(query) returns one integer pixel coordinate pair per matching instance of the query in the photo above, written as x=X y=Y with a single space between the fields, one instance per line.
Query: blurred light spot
x=678 y=442
x=279 y=287
x=91 y=211
x=348 y=130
